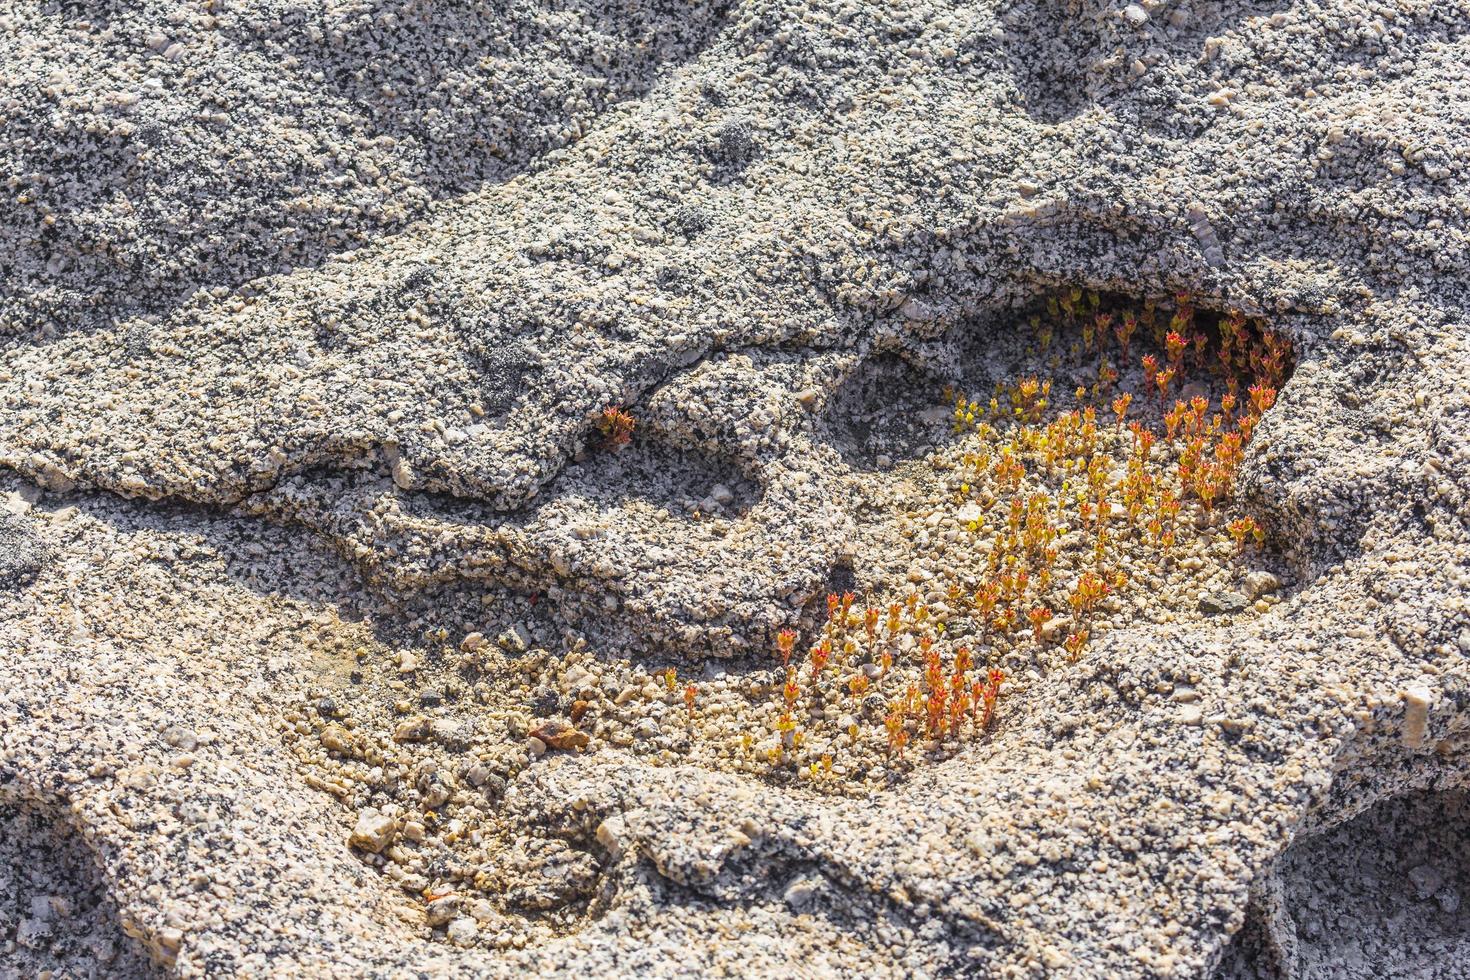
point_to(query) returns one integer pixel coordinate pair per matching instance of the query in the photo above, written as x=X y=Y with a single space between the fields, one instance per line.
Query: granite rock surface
x=307 y=315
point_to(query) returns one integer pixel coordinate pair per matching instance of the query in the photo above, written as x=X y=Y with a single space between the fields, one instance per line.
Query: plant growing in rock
x=616 y=426
x=1064 y=526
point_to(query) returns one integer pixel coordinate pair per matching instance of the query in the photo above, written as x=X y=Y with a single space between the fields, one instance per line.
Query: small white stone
x=462 y=931
x=801 y=891
x=402 y=474
x=1259 y=583
x=374 y=831
x=1417 y=699
x=610 y=835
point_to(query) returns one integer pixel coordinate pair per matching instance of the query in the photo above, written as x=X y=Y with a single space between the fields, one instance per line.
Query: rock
x=308 y=315
x=462 y=931
x=800 y=892
x=610 y=834
x=514 y=640
x=1426 y=880
x=374 y=831
x=1259 y=583
x=441 y=910
x=560 y=735
x=22 y=555
x=335 y=738
x=1417 y=699
x=545 y=701
x=1222 y=602
x=414 y=729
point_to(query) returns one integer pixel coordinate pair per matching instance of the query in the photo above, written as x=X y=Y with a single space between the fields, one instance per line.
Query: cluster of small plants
x=1061 y=496
x=616 y=426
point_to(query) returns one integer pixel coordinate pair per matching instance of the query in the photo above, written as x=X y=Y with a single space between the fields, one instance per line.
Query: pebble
x=1222 y=602
x=442 y=910
x=374 y=831
x=1258 y=583
x=514 y=640
x=800 y=892
x=1426 y=880
x=463 y=931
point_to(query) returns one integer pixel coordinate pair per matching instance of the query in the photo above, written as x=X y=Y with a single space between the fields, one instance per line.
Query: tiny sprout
x=671 y=678
x=1075 y=642
x=1244 y=529
x=1039 y=617
x=785 y=643
x=1120 y=406
x=1262 y=398
x=898 y=737
x=1162 y=380
x=1124 y=330
x=820 y=655
x=616 y=426
x=989 y=694
x=690 y=693
x=1174 y=346
x=858 y=685
x=786 y=726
